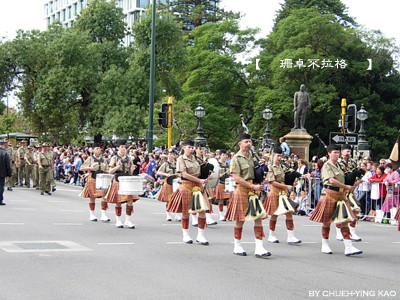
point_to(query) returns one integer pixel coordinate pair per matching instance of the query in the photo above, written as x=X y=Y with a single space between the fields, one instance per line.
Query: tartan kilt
x=271 y=203
x=180 y=200
x=166 y=192
x=219 y=192
x=90 y=189
x=114 y=197
x=397 y=217
x=327 y=204
x=238 y=204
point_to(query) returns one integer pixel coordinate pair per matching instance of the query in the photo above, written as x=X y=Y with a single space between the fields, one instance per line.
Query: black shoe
x=48 y=193
x=41 y=193
x=9 y=189
x=21 y=184
x=38 y=188
x=2 y=203
x=53 y=189
x=264 y=255
x=28 y=186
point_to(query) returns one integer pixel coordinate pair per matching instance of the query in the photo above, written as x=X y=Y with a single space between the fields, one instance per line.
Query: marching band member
x=121 y=165
x=332 y=177
x=219 y=191
x=95 y=164
x=242 y=170
x=276 y=178
x=189 y=169
x=167 y=169
x=348 y=165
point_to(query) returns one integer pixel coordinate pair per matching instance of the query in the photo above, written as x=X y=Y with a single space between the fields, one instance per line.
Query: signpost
x=340 y=138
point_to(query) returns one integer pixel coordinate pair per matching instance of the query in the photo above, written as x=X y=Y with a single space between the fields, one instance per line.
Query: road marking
x=172 y=224
x=12 y=223
x=396 y=242
x=245 y=242
x=41 y=246
x=115 y=243
x=72 y=210
x=173 y=243
x=311 y=225
x=23 y=208
x=67 y=224
x=57 y=201
x=308 y=242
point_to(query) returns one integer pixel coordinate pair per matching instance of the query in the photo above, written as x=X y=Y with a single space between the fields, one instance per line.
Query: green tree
x=307 y=34
x=194 y=13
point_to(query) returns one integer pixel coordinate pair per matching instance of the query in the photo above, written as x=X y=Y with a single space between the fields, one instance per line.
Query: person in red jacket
x=379 y=176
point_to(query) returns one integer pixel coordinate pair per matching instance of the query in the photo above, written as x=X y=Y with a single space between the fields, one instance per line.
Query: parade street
x=50 y=250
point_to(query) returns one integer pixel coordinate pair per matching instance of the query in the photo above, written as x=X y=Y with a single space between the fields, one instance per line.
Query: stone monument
x=298 y=138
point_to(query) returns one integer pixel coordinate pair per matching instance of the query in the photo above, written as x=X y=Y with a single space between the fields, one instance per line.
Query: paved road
x=93 y=260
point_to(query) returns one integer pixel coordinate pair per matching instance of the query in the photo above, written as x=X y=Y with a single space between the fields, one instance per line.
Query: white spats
x=291 y=239
x=339 y=235
x=349 y=249
x=238 y=249
x=201 y=238
x=118 y=222
x=272 y=238
x=259 y=251
x=128 y=223
x=92 y=216
x=325 y=247
x=104 y=217
x=354 y=236
x=186 y=237
x=209 y=220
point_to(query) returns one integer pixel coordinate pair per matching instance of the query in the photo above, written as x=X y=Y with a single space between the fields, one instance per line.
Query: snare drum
x=175 y=184
x=103 y=181
x=130 y=185
x=230 y=185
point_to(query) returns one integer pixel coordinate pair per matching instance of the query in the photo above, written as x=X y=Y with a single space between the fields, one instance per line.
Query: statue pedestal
x=299 y=142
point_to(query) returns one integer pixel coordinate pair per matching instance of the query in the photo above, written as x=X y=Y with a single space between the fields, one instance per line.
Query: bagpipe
x=351 y=174
x=290 y=174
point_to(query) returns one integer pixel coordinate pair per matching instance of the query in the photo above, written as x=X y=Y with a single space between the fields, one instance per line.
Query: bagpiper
x=242 y=170
x=333 y=205
x=189 y=169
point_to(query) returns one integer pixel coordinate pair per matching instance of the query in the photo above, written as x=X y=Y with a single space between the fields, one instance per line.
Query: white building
x=66 y=11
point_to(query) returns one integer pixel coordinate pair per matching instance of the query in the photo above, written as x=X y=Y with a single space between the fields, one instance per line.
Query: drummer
x=96 y=164
x=219 y=191
x=189 y=168
x=122 y=165
x=168 y=171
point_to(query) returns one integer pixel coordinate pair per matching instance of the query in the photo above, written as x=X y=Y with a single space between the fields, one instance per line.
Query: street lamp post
x=362 y=115
x=267 y=114
x=200 y=112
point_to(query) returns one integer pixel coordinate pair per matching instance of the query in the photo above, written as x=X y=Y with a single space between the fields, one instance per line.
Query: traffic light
x=163 y=116
x=350 y=118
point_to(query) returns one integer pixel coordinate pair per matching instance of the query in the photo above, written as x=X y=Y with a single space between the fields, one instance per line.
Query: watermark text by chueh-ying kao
x=362 y=294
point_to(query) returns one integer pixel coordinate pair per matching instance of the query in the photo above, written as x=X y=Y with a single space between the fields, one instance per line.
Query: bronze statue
x=301 y=103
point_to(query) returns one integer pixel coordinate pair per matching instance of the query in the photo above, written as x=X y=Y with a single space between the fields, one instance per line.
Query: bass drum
x=215 y=173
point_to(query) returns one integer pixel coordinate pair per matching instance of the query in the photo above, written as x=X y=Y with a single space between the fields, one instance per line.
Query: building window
x=63 y=15
x=82 y=4
x=48 y=20
x=72 y=23
x=59 y=16
x=75 y=9
x=46 y=9
x=69 y=12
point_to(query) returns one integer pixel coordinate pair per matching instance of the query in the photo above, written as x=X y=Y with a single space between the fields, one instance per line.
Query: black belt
x=333 y=188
